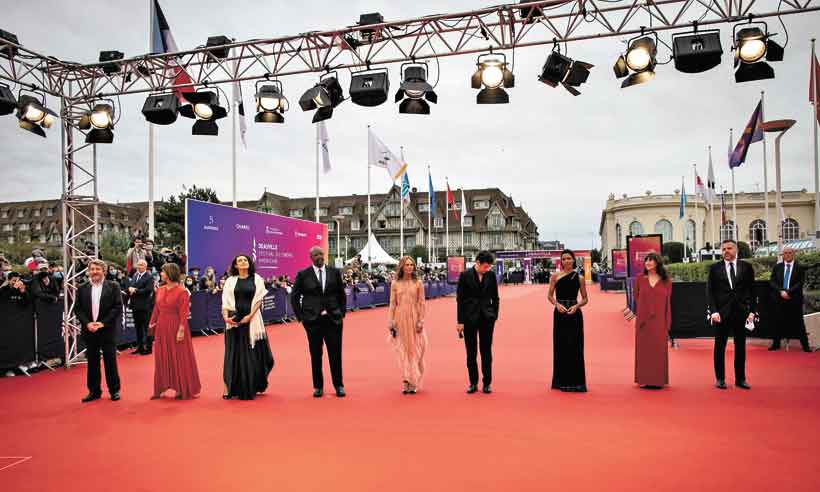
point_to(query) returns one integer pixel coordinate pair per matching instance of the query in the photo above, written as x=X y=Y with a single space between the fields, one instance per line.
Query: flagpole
x=368 y=196
x=461 y=219
x=814 y=125
x=734 y=196
x=695 y=242
x=682 y=214
x=151 y=163
x=235 y=108
x=712 y=196
x=317 y=171
x=447 y=220
x=765 y=171
x=429 y=221
x=401 y=210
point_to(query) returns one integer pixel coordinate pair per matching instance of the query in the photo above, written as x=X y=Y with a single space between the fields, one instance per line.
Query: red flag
x=162 y=41
x=451 y=201
x=814 y=86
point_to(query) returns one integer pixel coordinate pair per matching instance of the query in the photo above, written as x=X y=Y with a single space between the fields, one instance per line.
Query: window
x=424 y=207
x=42 y=238
x=409 y=242
x=409 y=223
x=296 y=212
x=635 y=228
x=757 y=234
x=618 y=236
x=7 y=228
x=331 y=245
x=5 y=214
x=358 y=242
x=468 y=221
x=791 y=230
x=11 y=239
x=382 y=224
x=38 y=226
x=664 y=227
x=124 y=216
x=373 y=209
x=468 y=238
x=392 y=209
x=21 y=214
x=481 y=204
x=354 y=225
x=438 y=222
x=112 y=215
x=497 y=240
x=49 y=212
x=516 y=224
x=331 y=226
x=322 y=212
x=345 y=210
x=22 y=227
x=727 y=230
x=691 y=234
x=496 y=221
x=37 y=213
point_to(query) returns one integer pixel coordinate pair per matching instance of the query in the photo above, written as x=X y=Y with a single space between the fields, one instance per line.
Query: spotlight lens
x=752 y=50
x=414 y=94
x=638 y=58
x=48 y=120
x=492 y=75
x=101 y=119
x=34 y=114
x=203 y=111
x=269 y=103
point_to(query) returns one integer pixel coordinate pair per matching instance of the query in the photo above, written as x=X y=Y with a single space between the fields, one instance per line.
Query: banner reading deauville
x=638 y=247
x=215 y=234
x=619 y=263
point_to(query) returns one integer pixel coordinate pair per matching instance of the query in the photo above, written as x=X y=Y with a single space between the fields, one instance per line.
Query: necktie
x=787 y=277
x=321 y=280
x=139 y=276
x=732 y=274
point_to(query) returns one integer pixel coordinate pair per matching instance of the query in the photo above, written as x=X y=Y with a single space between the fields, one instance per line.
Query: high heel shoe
x=405 y=387
x=226 y=397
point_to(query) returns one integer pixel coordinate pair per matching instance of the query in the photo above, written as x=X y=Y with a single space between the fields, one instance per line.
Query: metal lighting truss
x=502 y=27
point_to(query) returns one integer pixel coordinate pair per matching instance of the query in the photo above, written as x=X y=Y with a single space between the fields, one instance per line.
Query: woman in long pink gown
x=405 y=323
x=174 y=361
x=652 y=295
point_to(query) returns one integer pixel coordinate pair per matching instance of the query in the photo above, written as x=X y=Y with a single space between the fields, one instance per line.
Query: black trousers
x=103 y=340
x=323 y=332
x=479 y=336
x=737 y=325
x=789 y=319
x=141 y=319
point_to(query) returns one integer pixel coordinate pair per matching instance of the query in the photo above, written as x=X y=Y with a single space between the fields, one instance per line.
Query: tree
x=114 y=246
x=170 y=216
x=674 y=251
x=418 y=251
x=595 y=256
x=743 y=250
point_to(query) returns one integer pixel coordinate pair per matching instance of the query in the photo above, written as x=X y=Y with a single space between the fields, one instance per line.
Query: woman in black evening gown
x=248 y=358
x=568 y=373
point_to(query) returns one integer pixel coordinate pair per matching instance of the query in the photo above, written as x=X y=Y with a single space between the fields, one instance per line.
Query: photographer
x=154 y=258
x=134 y=255
x=43 y=287
x=13 y=290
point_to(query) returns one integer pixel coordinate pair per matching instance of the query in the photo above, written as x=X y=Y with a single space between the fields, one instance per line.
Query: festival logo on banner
x=638 y=247
x=215 y=233
x=619 y=257
x=455 y=265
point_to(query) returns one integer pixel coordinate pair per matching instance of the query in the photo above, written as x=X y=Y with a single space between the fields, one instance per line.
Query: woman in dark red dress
x=652 y=295
x=174 y=361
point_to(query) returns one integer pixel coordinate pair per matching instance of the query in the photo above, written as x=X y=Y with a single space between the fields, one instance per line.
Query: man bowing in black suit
x=787 y=286
x=319 y=303
x=477 y=299
x=99 y=304
x=732 y=306
x=140 y=293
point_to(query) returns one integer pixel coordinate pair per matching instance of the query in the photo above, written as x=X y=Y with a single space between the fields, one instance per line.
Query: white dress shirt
x=323 y=277
x=728 y=274
x=96 y=294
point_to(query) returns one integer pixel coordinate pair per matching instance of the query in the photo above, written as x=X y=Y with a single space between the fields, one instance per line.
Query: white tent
x=379 y=255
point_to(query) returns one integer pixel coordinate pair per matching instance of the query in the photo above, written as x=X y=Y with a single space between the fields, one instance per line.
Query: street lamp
x=338 y=219
x=780 y=127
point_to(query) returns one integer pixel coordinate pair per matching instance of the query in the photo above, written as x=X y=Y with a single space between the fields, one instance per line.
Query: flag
x=405 y=188
x=379 y=155
x=723 y=208
x=710 y=180
x=682 y=210
x=699 y=188
x=162 y=41
x=814 y=85
x=322 y=136
x=451 y=201
x=463 y=206
x=240 y=107
x=751 y=134
x=431 y=194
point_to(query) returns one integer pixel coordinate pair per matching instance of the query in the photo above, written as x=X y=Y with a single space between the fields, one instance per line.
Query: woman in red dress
x=652 y=295
x=174 y=361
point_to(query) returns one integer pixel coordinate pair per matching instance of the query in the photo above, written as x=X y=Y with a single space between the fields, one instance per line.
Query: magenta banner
x=215 y=233
x=640 y=246
x=619 y=257
x=455 y=265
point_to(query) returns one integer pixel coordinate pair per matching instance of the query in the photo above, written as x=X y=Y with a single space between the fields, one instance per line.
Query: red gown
x=174 y=362
x=654 y=319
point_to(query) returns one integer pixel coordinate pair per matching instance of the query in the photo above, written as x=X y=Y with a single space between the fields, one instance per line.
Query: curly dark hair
x=659 y=268
x=233 y=271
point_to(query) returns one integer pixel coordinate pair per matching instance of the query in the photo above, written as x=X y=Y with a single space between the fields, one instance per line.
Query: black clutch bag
x=234 y=316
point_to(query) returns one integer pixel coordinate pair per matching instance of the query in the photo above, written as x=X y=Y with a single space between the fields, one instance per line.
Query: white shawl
x=257 y=325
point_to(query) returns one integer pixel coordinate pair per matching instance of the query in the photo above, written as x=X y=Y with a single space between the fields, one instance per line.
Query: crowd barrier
x=19 y=323
x=610 y=283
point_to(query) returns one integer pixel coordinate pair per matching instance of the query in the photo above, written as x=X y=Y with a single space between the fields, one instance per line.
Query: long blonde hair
x=400 y=269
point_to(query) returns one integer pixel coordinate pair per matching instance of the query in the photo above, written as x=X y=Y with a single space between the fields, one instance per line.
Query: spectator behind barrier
x=13 y=290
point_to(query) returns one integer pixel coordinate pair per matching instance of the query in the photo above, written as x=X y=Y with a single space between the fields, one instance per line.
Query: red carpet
x=523 y=437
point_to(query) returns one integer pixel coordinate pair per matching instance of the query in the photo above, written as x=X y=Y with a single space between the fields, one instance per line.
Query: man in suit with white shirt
x=787 y=286
x=732 y=305
x=319 y=303
x=98 y=305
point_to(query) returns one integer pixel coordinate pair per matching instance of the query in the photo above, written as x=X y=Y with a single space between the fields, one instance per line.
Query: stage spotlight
x=34 y=116
x=369 y=88
x=560 y=69
x=492 y=73
x=8 y=50
x=414 y=86
x=100 y=122
x=270 y=103
x=640 y=58
x=530 y=14
x=752 y=44
x=8 y=103
x=697 y=51
x=111 y=56
x=217 y=43
x=323 y=97
x=161 y=109
x=370 y=20
x=205 y=109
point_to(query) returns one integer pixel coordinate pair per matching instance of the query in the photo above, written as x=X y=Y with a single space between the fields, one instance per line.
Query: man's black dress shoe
x=743 y=385
x=137 y=351
x=721 y=384
x=115 y=396
x=340 y=392
x=806 y=348
x=471 y=389
x=90 y=397
x=774 y=347
x=486 y=389
x=317 y=393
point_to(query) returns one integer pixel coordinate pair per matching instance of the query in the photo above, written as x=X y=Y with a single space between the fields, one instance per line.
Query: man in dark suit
x=99 y=304
x=732 y=305
x=478 y=303
x=140 y=293
x=787 y=287
x=319 y=303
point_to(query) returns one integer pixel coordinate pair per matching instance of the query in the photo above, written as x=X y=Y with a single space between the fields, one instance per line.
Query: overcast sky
x=558 y=155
